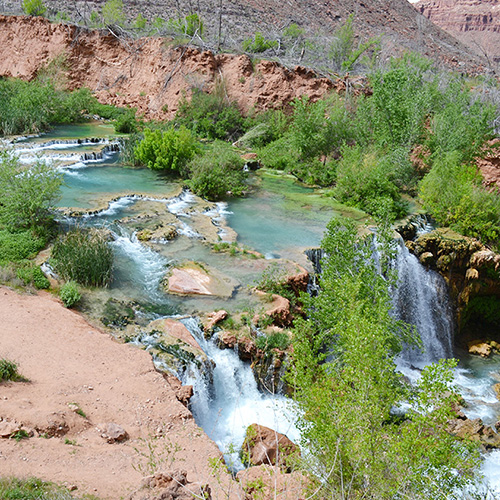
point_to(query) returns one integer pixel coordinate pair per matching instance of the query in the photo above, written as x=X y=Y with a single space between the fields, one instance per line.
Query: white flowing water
x=228 y=400
x=421 y=299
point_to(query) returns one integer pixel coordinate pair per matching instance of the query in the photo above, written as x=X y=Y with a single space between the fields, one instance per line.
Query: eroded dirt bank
x=148 y=74
x=72 y=366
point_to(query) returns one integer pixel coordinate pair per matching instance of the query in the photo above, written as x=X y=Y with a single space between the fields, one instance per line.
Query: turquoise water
x=86 y=187
x=281 y=215
x=78 y=131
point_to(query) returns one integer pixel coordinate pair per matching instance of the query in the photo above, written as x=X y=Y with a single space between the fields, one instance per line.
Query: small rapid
x=228 y=400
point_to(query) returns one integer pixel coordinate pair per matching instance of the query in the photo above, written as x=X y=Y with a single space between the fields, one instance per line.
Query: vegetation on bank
x=361 y=443
x=35 y=489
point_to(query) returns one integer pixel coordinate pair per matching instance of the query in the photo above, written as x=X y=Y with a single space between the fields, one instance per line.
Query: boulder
x=175 y=329
x=183 y=393
x=263 y=445
x=246 y=346
x=479 y=347
x=169 y=486
x=112 y=433
x=278 y=309
x=194 y=279
x=8 y=429
x=213 y=319
x=475 y=430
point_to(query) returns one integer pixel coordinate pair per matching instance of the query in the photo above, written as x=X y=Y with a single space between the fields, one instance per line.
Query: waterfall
x=225 y=407
x=421 y=299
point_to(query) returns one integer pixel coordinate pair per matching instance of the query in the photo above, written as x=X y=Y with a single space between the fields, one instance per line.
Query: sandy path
x=68 y=361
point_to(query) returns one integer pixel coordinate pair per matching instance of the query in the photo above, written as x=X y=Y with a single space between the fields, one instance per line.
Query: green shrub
x=264 y=128
x=17 y=246
x=279 y=155
x=258 y=44
x=113 y=13
x=366 y=180
x=126 y=123
x=33 y=7
x=32 y=489
x=69 y=294
x=28 y=195
x=453 y=194
x=140 y=22
x=8 y=370
x=84 y=256
x=278 y=340
x=211 y=115
x=188 y=25
x=168 y=150
x=217 y=172
x=33 y=275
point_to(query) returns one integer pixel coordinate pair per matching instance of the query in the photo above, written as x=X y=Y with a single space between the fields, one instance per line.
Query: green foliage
x=278 y=340
x=30 y=107
x=33 y=7
x=32 y=489
x=27 y=195
x=367 y=181
x=265 y=127
x=126 y=123
x=168 y=150
x=84 y=256
x=190 y=25
x=293 y=31
x=343 y=43
x=258 y=44
x=346 y=385
x=463 y=123
x=453 y=195
x=403 y=96
x=8 y=370
x=211 y=115
x=70 y=294
x=217 y=172
x=33 y=275
x=113 y=13
x=19 y=245
x=140 y=22
x=482 y=309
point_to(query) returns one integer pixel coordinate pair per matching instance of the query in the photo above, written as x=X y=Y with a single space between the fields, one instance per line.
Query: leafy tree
x=347 y=387
x=217 y=172
x=343 y=43
x=169 y=150
x=33 y=7
x=27 y=195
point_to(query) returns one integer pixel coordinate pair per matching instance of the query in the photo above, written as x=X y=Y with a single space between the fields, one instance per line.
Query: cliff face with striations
x=474 y=22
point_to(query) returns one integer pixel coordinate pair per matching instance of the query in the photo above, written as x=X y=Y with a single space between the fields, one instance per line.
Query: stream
x=280 y=220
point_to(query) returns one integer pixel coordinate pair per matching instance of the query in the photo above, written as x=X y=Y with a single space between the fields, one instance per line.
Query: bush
x=278 y=340
x=33 y=275
x=169 y=150
x=218 y=172
x=28 y=195
x=126 y=123
x=33 y=7
x=188 y=25
x=20 y=245
x=453 y=195
x=112 y=12
x=84 y=256
x=8 y=370
x=366 y=180
x=32 y=489
x=69 y=294
x=211 y=115
x=258 y=44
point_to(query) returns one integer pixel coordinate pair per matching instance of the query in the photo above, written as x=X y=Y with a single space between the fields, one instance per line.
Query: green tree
x=168 y=150
x=27 y=195
x=33 y=7
x=347 y=387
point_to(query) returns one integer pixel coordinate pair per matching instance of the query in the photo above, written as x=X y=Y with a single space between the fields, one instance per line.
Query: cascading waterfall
x=226 y=407
x=421 y=299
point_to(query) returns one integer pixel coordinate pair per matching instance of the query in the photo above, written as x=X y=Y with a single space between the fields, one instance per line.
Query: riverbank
x=79 y=380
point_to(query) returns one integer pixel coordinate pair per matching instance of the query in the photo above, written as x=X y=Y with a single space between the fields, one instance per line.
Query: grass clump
x=20 y=245
x=33 y=275
x=278 y=340
x=84 y=256
x=70 y=294
x=33 y=489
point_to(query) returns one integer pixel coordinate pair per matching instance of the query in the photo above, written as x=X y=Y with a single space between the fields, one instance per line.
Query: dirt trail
x=72 y=365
